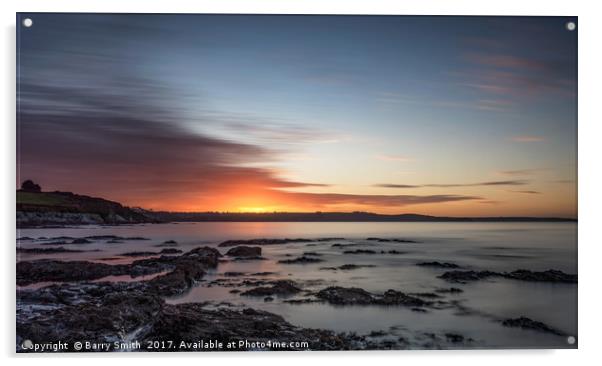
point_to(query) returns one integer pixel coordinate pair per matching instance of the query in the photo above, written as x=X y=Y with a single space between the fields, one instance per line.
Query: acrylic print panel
x=279 y=182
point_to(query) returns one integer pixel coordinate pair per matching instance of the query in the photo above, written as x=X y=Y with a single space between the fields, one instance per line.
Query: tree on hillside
x=30 y=186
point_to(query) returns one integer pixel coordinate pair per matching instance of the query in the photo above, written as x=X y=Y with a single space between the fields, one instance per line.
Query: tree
x=30 y=186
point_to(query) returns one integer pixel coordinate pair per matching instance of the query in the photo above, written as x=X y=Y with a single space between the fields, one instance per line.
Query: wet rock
x=268 y=299
x=521 y=275
x=301 y=260
x=81 y=241
x=301 y=301
x=545 y=276
x=389 y=240
x=282 y=287
x=454 y=338
x=345 y=296
x=52 y=270
x=392 y=297
x=244 y=251
x=466 y=276
x=349 y=267
x=427 y=295
x=526 y=323
x=191 y=322
x=438 y=264
x=170 y=242
x=263 y=273
x=114 y=241
x=392 y=252
x=359 y=251
x=234 y=291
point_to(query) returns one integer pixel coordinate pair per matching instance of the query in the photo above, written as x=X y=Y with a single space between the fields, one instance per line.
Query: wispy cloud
x=526 y=192
x=527 y=138
x=520 y=172
x=454 y=185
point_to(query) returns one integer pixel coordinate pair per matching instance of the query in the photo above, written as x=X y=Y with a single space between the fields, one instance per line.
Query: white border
x=590 y=254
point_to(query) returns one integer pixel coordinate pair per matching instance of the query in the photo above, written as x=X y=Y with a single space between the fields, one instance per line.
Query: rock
x=52 y=270
x=268 y=299
x=521 y=275
x=392 y=297
x=392 y=252
x=359 y=251
x=357 y=296
x=281 y=287
x=526 y=323
x=244 y=251
x=301 y=260
x=466 y=276
x=349 y=267
x=263 y=273
x=385 y=240
x=345 y=296
x=545 y=276
x=438 y=264
x=170 y=242
x=81 y=241
x=454 y=338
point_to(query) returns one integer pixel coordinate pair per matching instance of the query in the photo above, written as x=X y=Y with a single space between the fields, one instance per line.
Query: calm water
x=492 y=246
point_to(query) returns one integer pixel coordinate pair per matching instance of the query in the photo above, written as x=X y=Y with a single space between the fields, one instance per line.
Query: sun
x=253 y=209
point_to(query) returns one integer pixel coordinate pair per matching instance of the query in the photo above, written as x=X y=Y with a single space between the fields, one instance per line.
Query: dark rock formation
x=244 y=251
x=521 y=275
x=282 y=287
x=526 y=323
x=30 y=186
x=388 y=240
x=345 y=296
x=301 y=260
x=359 y=251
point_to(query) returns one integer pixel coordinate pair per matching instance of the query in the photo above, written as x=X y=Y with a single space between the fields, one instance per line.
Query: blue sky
x=352 y=107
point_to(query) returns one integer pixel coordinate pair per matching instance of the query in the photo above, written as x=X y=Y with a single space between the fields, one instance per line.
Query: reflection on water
x=492 y=246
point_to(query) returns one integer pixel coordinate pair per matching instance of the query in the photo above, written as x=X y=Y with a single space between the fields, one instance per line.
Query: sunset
x=206 y=182
x=325 y=114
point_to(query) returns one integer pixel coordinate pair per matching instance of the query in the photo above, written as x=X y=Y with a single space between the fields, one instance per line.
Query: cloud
x=110 y=146
x=526 y=192
x=520 y=172
x=454 y=185
x=527 y=138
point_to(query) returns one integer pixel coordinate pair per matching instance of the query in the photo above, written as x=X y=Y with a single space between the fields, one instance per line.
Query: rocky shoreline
x=80 y=305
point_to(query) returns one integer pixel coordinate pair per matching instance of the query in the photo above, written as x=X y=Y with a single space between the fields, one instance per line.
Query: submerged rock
x=282 y=287
x=301 y=260
x=526 y=323
x=545 y=276
x=244 y=251
x=521 y=275
x=345 y=296
x=359 y=251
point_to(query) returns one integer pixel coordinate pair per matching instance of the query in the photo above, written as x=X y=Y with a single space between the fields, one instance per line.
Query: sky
x=448 y=116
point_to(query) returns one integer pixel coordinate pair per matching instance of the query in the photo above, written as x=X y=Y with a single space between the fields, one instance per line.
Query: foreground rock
x=184 y=269
x=526 y=323
x=50 y=250
x=521 y=274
